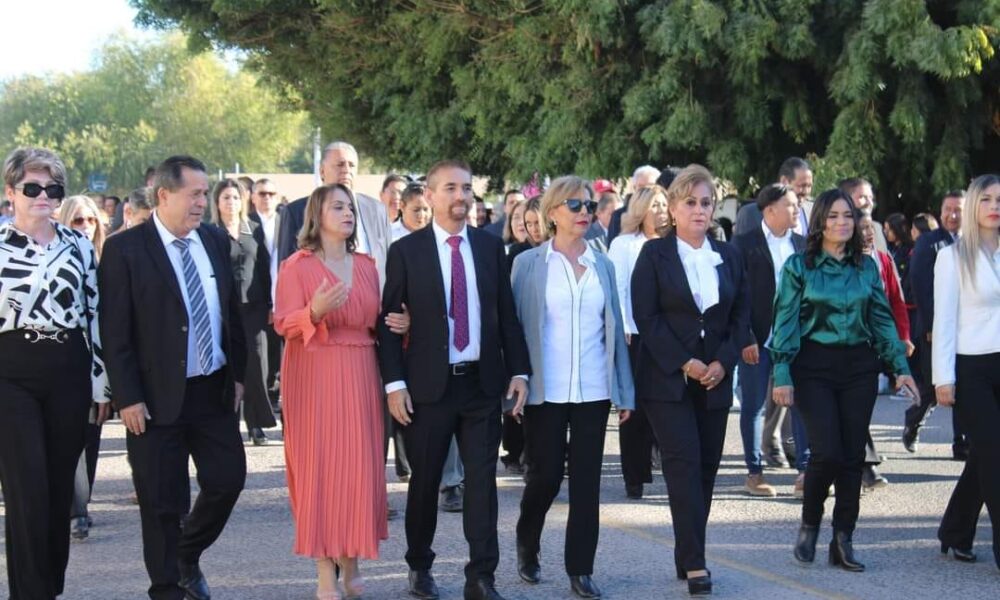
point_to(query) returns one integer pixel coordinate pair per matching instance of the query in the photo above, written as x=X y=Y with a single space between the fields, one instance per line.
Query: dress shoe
x=910 y=439
x=871 y=479
x=842 y=553
x=258 y=437
x=481 y=590
x=805 y=545
x=451 y=499
x=391 y=514
x=514 y=468
x=404 y=478
x=528 y=568
x=193 y=582
x=80 y=529
x=422 y=585
x=960 y=555
x=633 y=491
x=776 y=460
x=757 y=486
x=701 y=585
x=583 y=586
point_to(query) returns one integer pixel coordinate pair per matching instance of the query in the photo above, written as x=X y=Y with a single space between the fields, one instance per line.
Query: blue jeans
x=754 y=383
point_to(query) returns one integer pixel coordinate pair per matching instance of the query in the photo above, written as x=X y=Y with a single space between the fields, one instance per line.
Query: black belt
x=463 y=368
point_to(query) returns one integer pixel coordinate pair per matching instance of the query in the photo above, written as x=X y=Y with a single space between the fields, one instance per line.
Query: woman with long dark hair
x=832 y=329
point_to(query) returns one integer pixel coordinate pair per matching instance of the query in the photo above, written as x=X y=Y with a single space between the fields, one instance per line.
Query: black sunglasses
x=576 y=204
x=55 y=191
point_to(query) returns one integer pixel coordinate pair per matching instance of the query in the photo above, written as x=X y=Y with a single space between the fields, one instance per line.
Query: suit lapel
x=432 y=266
x=218 y=267
x=675 y=269
x=541 y=280
x=154 y=245
x=480 y=263
x=725 y=274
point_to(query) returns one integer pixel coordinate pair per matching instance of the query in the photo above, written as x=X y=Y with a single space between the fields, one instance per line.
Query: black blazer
x=922 y=277
x=413 y=277
x=670 y=323
x=759 y=268
x=144 y=322
x=288 y=228
x=251 y=265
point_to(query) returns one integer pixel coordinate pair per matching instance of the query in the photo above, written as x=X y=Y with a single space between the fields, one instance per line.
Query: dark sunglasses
x=81 y=220
x=54 y=191
x=576 y=205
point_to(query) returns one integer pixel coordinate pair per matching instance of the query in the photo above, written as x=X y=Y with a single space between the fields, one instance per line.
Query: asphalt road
x=749 y=539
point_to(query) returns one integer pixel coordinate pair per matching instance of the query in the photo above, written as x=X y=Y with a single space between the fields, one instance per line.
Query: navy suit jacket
x=922 y=278
x=759 y=267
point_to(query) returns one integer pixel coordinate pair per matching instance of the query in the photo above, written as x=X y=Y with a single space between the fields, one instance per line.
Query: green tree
x=902 y=91
x=144 y=101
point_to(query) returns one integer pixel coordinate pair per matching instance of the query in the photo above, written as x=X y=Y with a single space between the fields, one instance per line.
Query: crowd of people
x=414 y=318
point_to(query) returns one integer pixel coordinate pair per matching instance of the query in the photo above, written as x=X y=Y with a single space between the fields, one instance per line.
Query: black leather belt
x=463 y=368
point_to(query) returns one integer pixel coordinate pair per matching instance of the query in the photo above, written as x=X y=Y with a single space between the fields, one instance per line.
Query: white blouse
x=573 y=334
x=623 y=253
x=966 y=319
x=699 y=267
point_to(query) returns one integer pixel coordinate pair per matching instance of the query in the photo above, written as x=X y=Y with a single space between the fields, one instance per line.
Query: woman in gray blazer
x=567 y=302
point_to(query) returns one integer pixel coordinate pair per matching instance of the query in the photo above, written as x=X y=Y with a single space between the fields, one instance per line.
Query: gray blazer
x=529 y=277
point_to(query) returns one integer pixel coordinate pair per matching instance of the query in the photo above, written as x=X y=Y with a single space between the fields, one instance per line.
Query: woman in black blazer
x=689 y=301
x=251 y=271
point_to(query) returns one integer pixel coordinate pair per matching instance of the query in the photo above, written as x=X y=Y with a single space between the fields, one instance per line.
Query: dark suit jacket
x=251 y=265
x=144 y=324
x=922 y=277
x=413 y=276
x=670 y=323
x=759 y=268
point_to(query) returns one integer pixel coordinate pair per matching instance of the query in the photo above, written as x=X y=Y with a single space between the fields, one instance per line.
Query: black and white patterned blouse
x=51 y=288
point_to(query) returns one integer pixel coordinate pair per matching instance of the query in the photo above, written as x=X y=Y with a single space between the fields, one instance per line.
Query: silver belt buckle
x=459 y=369
x=37 y=335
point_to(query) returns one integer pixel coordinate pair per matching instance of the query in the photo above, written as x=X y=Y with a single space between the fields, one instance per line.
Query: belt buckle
x=459 y=369
x=34 y=336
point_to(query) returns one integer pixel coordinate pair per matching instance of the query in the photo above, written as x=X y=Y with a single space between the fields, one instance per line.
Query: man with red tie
x=454 y=280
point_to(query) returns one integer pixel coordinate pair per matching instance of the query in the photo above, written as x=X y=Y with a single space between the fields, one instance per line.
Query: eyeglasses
x=81 y=220
x=54 y=191
x=576 y=205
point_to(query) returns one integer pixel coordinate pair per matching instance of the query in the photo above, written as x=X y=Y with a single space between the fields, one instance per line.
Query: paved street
x=749 y=540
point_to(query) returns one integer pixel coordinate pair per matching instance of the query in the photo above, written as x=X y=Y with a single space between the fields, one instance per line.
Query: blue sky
x=40 y=36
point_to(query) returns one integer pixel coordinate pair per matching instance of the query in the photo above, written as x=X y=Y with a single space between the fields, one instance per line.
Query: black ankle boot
x=842 y=553
x=805 y=545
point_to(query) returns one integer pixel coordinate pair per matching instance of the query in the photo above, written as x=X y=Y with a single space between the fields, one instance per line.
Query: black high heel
x=700 y=586
x=960 y=555
x=805 y=545
x=842 y=553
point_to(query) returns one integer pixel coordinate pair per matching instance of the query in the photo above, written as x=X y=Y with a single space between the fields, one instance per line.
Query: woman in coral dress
x=326 y=308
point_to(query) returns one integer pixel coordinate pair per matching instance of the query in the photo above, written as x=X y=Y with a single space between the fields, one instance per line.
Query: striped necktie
x=200 y=323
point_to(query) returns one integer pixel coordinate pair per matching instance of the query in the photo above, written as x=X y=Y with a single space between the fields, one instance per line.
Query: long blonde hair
x=68 y=211
x=968 y=246
x=638 y=207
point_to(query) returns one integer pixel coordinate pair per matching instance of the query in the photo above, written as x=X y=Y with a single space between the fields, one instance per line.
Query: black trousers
x=275 y=346
x=545 y=428
x=635 y=437
x=256 y=402
x=916 y=415
x=86 y=471
x=977 y=403
x=835 y=390
x=474 y=418
x=41 y=437
x=207 y=432
x=690 y=437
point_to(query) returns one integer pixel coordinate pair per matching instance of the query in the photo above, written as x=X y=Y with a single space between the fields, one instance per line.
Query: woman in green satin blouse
x=832 y=329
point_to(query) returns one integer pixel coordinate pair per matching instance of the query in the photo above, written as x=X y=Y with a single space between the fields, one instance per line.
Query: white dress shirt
x=207 y=275
x=781 y=248
x=703 y=278
x=361 y=239
x=966 y=319
x=397 y=230
x=268 y=225
x=623 y=253
x=573 y=334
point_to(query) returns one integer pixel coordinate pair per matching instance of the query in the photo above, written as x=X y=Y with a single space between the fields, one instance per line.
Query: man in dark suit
x=454 y=280
x=922 y=283
x=176 y=355
x=765 y=250
x=607 y=203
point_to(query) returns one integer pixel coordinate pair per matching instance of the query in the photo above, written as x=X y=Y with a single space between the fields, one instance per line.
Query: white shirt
x=699 y=267
x=573 y=335
x=781 y=248
x=204 y=265
x=805 y=209
x=270 y=239
x=623 y=253
x=361 y=239
x=966 y=319
x=397 y=230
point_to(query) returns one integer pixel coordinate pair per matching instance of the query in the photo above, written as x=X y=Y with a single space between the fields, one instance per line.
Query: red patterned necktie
x=459 y=312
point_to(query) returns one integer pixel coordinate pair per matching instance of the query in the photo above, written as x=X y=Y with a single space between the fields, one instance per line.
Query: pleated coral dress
x=332 y=411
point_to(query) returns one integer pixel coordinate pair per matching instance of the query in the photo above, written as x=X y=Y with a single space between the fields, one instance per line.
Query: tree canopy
x=904 y=92
x=144 y=101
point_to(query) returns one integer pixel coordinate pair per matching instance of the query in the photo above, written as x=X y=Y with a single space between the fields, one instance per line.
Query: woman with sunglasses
x=48 y=325
x=691 y=307
x=81 y=214
x=646 y=218
x=567 y=303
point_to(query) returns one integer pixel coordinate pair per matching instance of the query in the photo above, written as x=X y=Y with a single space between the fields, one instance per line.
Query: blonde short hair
x=686 y=180
x=561 y=190
x=638 y=207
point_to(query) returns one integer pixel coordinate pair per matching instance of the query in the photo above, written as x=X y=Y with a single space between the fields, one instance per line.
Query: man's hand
x=751 y=354
x=237 y=395
x=783 y=395
x=400 y=406
x=518 y=389
x=398 y=323
x=945 y=395
x=134 y=418
x=623 y=415
x=714 y=375
x=103 y=412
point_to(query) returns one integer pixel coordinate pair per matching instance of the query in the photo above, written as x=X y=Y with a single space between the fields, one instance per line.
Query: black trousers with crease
x=635 y=437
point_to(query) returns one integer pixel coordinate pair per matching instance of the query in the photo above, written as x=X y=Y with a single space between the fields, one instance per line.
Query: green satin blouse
x=834 y=303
